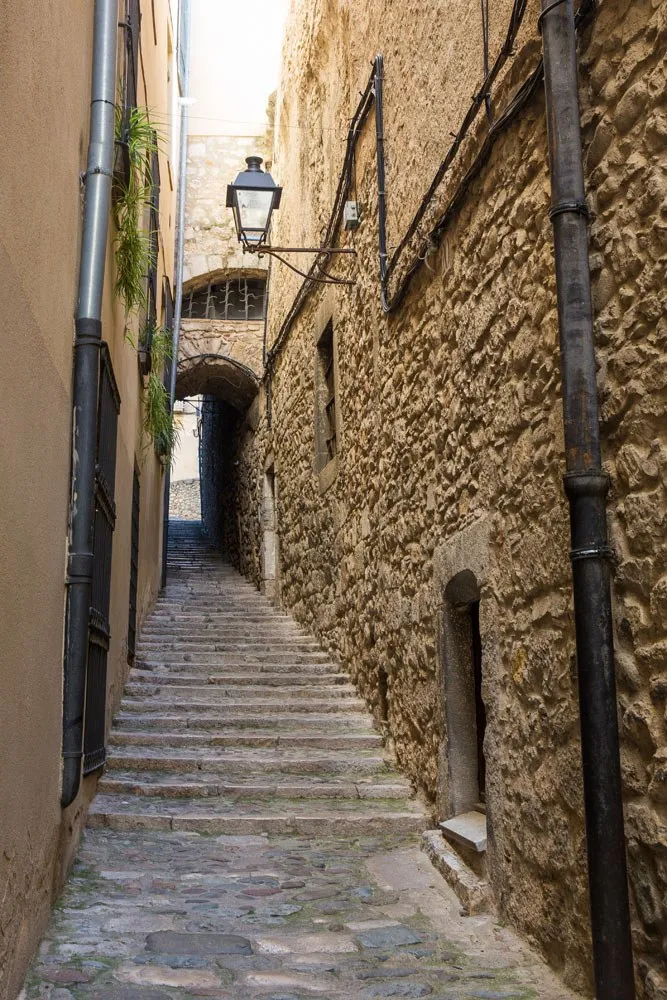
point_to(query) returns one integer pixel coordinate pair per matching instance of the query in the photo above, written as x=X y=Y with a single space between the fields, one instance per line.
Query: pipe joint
x=594 y=483
x=80 y=567
x=88 y=331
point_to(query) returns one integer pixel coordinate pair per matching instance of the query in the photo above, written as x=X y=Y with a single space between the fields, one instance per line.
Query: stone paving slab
x=151 y=916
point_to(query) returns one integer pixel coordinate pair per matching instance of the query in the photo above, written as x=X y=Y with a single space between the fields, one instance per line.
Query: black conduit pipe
x=88 y=340
x=586 y=487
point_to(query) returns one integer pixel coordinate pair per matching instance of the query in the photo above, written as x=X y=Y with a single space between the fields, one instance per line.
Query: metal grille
x=168 y=300
x=134 y=570
x=151 y=277
x=131 y=75
x=94 y=750
x=132 y=28
x=233 y=299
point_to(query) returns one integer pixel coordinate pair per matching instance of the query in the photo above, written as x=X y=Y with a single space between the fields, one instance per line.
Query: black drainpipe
x=88 y=329
x=586 y=487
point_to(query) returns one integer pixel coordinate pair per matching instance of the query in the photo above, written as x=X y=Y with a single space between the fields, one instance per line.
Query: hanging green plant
x=158 y=424
x=134 y=249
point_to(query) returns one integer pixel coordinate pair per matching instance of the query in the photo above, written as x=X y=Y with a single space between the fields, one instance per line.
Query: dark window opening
x=94 y=748
x=131 y=27
x=383 y=695
x=325 y=351
x=151 y=277
x=480 y=709
x=464 y=775
x=134 y=570
x=232 y=299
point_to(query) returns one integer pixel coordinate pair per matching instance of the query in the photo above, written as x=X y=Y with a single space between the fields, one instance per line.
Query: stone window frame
x=325 y=465
x=461 y=567
x=270 y=546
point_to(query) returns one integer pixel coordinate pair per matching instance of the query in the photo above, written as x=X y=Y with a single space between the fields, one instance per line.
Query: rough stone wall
x=184 y=500
x=210 y=238
x=450 y=432
x=241 y=341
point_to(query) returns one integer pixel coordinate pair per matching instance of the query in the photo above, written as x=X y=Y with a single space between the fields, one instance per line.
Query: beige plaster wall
x=44 y=83
x=450 y=440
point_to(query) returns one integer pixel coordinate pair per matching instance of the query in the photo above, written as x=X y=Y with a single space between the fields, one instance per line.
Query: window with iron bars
x=131 y=26
x=232 y=299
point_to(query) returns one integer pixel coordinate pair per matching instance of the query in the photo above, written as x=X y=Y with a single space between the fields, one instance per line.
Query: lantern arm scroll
x=253 y=197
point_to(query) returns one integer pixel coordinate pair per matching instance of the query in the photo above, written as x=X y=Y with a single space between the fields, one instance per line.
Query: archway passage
x=218 y=376
x=227 y=389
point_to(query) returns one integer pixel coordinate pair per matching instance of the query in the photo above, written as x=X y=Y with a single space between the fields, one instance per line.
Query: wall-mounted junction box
x=352 y=214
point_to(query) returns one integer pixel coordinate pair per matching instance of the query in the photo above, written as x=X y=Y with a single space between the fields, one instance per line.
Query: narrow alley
x=333 y=500
x=251 y=838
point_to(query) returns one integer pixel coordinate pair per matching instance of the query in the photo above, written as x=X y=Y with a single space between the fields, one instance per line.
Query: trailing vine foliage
x=158 y=423
x=133 y=244
x=134 y=251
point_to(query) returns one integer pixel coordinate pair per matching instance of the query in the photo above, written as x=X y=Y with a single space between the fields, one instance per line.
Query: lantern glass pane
x=254 y=212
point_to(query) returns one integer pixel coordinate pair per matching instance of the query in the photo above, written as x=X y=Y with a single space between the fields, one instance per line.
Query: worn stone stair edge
x=473 y=892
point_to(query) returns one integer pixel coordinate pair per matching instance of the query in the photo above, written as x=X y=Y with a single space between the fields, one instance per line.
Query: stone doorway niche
x=270 y=564
x=465 y=714
x=465 y=664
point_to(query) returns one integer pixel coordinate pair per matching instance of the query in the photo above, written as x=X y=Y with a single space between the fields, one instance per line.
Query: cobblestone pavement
x=251 y=838
x=185 y=500
x=158 y=915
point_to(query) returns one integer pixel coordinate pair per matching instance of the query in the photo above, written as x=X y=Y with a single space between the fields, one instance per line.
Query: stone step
x=307 y=820
x=259 y=671
x=250 y=762
x=224 y=690
x=175 y=786
x=231 y=657
x=290 y=722
x=167 y=639
x=288 y=679
x=345 y=741
x=332 y=705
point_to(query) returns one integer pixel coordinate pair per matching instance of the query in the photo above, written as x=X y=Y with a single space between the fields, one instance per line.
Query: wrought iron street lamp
x=253 y=197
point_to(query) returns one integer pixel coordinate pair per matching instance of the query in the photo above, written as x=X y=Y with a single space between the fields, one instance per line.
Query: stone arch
x=216 y=375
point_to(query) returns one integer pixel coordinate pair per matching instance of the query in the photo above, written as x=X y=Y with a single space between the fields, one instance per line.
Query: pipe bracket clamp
x=72 y=755
x=88 y=340
x=98 y=170
x=581 y=484
x=547 y=10
x=80 y=567
x=576 y=207
x=597 y=552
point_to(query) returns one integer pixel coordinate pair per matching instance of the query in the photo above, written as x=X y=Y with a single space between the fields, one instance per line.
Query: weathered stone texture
x=451 y=415
x=185 y=500
x=210 y=239
x=241 y=341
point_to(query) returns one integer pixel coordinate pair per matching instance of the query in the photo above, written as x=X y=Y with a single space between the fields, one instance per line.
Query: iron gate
x=94 y=750
x=134 y=570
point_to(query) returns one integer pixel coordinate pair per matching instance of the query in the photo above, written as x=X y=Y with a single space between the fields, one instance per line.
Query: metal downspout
x=88 y=328
x=586 y=487
x=178 y=275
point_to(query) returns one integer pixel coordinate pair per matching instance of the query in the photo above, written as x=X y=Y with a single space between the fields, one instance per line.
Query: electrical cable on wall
x=430 y=241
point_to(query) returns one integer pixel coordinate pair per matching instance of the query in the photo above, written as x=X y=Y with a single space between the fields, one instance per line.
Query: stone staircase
x=235 y=722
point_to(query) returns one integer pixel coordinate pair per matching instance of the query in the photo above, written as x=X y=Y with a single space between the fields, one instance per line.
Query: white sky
x=235 y=60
